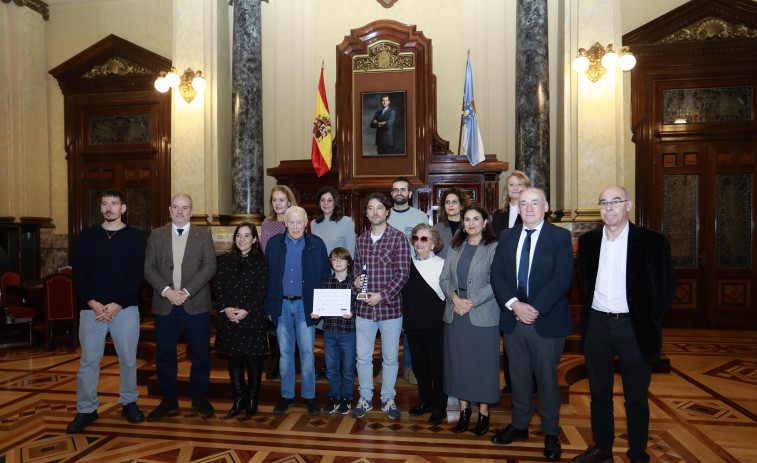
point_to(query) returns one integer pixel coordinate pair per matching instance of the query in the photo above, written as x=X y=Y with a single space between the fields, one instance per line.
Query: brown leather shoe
x=593 y=454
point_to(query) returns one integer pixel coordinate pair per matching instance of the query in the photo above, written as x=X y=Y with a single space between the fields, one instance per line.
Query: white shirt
x=513 y=216
x=184 y=229
x=610 y=288
x=534 y=239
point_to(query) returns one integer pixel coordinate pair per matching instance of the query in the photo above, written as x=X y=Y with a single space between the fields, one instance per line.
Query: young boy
x=339 y=338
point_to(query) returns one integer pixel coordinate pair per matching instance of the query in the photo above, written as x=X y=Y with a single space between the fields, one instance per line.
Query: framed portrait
x=383 y=123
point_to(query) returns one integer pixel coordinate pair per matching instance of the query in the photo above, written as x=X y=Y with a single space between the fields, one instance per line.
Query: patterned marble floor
x=705 y=410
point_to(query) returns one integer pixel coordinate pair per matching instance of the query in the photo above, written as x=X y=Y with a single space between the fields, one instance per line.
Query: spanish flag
x=321 y=152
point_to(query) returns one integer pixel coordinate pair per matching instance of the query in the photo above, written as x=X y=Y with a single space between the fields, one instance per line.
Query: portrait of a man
x=383 y=123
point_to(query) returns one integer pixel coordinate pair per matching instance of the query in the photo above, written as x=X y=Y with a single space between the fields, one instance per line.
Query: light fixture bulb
x=172 y=78
x=161 y=85
x=627 y=61
x=610 y=59
x=198 y=83
x=581 y=63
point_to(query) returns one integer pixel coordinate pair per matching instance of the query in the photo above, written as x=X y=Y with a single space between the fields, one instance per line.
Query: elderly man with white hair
x=298 y=264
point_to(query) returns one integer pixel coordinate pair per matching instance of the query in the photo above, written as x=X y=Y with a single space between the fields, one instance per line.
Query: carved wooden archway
x=695 y=128
x=117 y=133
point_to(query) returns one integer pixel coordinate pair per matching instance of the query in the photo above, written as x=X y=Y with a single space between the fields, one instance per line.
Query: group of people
x=453 y=289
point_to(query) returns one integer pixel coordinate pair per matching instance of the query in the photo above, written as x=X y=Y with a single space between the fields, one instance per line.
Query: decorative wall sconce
x=189 y=83
x=597 y=60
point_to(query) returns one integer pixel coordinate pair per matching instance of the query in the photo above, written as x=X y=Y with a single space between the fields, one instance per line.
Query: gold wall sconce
x=189 y=84
x=597 y=60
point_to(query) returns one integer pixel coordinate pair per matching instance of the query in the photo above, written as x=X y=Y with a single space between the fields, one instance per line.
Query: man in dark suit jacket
x=383 y=122
x=629 y=283
x=531 y=275
x=180 y=261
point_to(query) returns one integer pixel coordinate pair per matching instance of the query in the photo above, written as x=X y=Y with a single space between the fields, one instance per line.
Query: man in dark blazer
x=298 y=263
x=629 y=283
x=383 y=122
x=531 y=275
x=180 y=261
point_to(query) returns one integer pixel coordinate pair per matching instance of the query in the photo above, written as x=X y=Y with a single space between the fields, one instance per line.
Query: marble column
x=247 y=107
x=532 y=92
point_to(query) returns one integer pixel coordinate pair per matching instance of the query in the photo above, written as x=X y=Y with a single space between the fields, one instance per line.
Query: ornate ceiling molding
x=36 y=5
x=115 y=66
x=711 y=28
x=382 y=56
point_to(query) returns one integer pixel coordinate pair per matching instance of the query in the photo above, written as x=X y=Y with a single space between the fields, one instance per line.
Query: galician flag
x=472 y=145
x=321 y=152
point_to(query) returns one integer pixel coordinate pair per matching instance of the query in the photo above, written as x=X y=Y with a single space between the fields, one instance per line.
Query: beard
x=401 y=202
x=110 y=219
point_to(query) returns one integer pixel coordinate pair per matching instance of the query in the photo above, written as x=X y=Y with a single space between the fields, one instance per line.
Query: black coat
x=650 y=283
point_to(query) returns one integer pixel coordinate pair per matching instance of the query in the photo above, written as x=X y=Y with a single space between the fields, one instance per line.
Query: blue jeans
x=365 y=331
x=339 y=350
x=292 y=327
x=197 y=334
x=124 y=330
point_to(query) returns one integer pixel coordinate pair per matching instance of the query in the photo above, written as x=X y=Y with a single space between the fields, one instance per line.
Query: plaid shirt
x=339 y=324
x=388 y=265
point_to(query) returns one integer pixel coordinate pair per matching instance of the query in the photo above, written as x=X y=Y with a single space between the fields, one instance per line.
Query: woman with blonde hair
x=281 y=199
x=508 y=216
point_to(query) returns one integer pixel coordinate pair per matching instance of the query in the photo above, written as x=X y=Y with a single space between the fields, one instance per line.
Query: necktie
x=180 y=231
x=523 y=267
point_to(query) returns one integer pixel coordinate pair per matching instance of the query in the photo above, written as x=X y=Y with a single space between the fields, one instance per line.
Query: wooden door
x=707 y=210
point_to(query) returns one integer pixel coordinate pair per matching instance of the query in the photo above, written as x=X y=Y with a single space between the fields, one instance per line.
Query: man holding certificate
x=298 y=263
x=382 y=266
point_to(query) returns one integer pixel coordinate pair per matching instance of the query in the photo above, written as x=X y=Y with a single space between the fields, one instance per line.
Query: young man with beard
x=107 y=273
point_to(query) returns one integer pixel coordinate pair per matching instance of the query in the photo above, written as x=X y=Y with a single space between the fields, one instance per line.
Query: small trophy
x=363 y=294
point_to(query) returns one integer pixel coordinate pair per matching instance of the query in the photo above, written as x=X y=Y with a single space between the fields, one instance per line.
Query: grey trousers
x=533 y=356
x=124 y=330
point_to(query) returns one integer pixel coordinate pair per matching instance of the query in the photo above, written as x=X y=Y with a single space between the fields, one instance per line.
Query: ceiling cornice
x=37 y=5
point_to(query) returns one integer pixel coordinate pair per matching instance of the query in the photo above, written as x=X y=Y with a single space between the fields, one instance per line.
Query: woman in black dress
x=241 y=284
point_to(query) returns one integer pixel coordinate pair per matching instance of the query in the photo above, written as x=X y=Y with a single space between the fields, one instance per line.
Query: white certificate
x=331 y=302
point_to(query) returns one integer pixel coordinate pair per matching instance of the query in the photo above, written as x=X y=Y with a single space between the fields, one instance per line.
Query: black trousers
x=427 y=353
x=605 y=338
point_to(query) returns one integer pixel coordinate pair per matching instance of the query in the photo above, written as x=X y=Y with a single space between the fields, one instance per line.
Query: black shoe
x=437 y=417
x=320 y=373
x=344 y=406
x=331 y=407
x=420 y=409
x=552 y=448
x=283 y=406
x=236 y=406
x=202 y=406
x=132 y=413
x=510 y=434
x=593 y=454
x=464 y=422
x=81 y=421
x=482 y=425
x=165 y=407
x=311 y=406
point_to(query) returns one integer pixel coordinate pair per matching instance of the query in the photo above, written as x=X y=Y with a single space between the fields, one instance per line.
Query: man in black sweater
x=108 y=265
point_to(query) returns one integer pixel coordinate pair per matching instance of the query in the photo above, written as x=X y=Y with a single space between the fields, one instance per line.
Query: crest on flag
x=321 y=127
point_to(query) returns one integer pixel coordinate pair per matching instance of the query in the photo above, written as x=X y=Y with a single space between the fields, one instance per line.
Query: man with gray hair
x=179 y=263
x=298 y=263
x=531 y=275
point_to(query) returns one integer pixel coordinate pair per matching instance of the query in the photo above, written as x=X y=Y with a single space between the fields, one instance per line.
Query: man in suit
x=180 y=261
x=298 y=263
x=383 y=122
x=629 y=283
x=531 y=276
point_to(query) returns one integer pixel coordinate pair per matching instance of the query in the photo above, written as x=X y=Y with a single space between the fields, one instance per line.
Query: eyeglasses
x=611 y=204
x=399 y=190
x=422 y=239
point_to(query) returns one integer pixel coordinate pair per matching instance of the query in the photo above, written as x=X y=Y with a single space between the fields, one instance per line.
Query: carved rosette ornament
x=382 y=56
x=387 y=3
x=711 y=28
x=115 y=67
